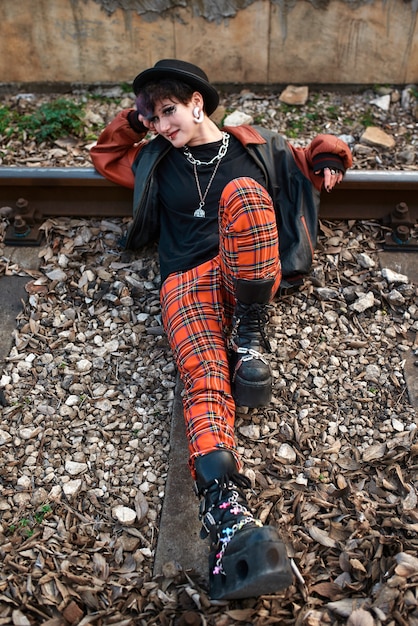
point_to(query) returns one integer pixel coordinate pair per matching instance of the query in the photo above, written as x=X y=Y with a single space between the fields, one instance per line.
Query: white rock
x=252 y=431
x=74 y=468
x=301 y=479
x=45 y=409
x=29 y=433
x=104 y=405
x=333 y=428
x=151 y=477
x=112 y=346
x=62 y=260
x=56 y=275
x=348 y=139
x=237 y=118
x=394 y=277
x=397 y=425
x=72 y=487
x=395 y=298
x=364 y=302
x=84 y=365
x=55 y=493
x=286 y=454
x=24 y=482
x=383 y=102
x=372 y=372
x=325 y=293
x=331 y=317
x=72 y=400
x=22 y=499
x=124 y=515
x=365 y=261
x=146 y=552
x=319 y=381
x=4 y=437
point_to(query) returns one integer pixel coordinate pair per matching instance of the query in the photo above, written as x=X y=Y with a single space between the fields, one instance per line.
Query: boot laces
x=229 y=504
x=252 y=319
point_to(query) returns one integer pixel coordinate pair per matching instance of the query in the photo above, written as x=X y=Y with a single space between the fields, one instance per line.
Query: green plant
x=40 y=515
x=332 y=112
x=126 y=87
x=52 y=120
x=367 y=118
x=5 y=121
x=28 y=523
x=295 y=127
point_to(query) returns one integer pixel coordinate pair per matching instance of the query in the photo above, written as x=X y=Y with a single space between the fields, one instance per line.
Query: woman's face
x=174 y=121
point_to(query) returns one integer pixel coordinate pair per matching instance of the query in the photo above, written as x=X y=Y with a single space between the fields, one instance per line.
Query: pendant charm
x=199 y=213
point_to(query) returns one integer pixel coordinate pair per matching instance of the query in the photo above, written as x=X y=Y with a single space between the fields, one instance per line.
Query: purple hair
x=152 y=93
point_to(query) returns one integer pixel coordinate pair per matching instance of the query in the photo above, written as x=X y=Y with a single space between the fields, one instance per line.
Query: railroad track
x=83 y=192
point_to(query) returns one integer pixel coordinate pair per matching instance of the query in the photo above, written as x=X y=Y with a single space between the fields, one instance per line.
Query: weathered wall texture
x=246 y=41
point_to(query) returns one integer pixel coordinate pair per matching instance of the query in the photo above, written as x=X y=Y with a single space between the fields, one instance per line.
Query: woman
x=214 y=197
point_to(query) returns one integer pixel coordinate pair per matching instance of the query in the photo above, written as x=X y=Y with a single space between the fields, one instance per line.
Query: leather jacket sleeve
x=322 y=144
x=116 y=150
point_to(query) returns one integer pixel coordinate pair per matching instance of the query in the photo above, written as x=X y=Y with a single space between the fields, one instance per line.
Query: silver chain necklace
x=200 y=211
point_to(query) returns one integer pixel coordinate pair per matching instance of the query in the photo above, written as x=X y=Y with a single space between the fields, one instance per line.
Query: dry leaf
x=409 y=503
x=101 y=567
x=241 y=615
x=345 y=607
x=360 y=618
x=141 y=505
x=357 y=565
x=322 y=537
x=328 y=590
x=373 y=452
x=407 y=565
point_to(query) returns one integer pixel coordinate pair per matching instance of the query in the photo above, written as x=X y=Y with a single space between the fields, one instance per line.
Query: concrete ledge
x=179 y=539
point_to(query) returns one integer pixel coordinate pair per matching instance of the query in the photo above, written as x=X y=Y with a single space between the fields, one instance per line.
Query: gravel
x=89 y=389
x=345 y=113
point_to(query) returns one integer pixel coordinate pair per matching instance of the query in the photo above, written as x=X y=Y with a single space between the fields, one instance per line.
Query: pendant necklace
x=200 y=211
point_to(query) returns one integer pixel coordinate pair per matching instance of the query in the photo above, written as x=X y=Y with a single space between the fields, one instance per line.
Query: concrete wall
x=281 y=41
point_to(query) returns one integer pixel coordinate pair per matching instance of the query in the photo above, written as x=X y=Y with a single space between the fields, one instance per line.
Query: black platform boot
x=251 y=378
x=246 y=559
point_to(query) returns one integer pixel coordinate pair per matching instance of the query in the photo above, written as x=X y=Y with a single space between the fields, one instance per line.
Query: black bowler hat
x=180 y=70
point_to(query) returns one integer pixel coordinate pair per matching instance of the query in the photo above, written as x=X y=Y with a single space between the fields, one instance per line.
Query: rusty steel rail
x=73 y=191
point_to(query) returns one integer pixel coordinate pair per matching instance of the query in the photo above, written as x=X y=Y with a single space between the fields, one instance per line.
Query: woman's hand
x=146 y=122
x=331 y=177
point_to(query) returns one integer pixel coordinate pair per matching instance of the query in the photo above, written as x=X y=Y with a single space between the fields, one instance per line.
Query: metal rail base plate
x=33 y=237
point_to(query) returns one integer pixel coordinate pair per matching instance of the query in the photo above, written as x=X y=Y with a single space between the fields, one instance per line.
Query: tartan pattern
x=249 y=243
x=197 y=307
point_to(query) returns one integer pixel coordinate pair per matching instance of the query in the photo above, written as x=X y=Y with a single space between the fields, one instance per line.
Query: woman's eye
x=170 y=110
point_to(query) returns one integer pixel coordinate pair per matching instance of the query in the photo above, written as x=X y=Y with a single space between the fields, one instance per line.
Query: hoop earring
x=198 y=115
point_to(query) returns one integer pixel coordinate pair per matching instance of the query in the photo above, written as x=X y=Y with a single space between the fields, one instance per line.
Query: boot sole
x=252 y=395
x=257 y=568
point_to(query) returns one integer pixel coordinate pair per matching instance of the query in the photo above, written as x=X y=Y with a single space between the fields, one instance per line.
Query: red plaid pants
x=197 y=307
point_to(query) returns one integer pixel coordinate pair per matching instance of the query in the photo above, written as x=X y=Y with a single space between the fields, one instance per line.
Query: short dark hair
x=152 y=93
